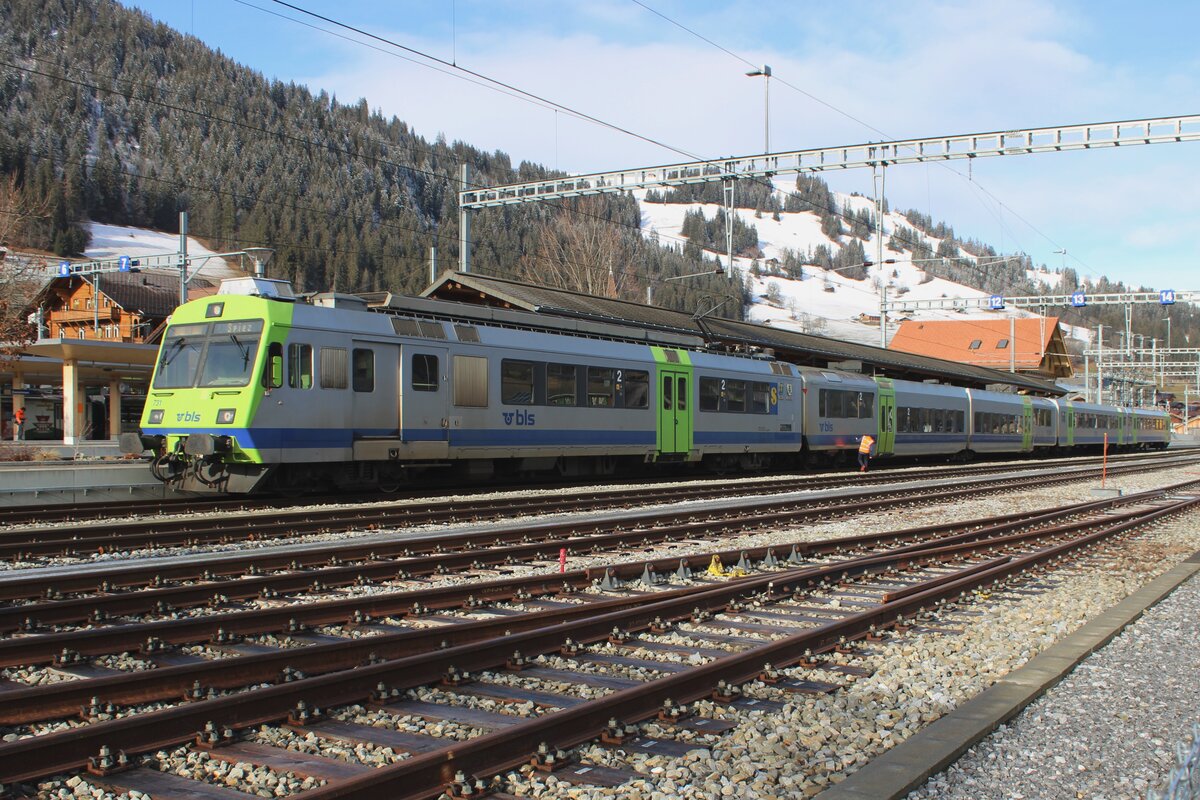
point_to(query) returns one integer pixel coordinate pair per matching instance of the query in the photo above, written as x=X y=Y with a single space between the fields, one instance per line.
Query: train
x=256 y=389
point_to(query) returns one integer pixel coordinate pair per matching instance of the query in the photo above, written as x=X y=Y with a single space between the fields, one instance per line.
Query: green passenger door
x=674 y=414
x=886 y=422
x=1027 y=425
x=1069 y=421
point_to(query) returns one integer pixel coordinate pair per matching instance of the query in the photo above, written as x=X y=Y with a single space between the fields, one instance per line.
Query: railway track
x=190 y=531
x=633 y=624
x=196 y=579
x=192 y=505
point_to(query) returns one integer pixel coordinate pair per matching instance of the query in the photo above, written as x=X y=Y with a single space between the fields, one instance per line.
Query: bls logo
x=187 y=416
x=519 y=417
x=826 y=427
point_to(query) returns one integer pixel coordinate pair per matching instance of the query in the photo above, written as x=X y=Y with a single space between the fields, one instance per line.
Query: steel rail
x=143 y=572
x=425 y=775
x=187 y=531
x=73 y=513
x=44 y=647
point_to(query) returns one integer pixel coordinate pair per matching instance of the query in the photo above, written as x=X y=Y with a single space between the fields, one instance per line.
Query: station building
x=85 y=378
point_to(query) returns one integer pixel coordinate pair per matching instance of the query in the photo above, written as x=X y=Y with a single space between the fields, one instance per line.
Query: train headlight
x=225 y=416
x=156 y=416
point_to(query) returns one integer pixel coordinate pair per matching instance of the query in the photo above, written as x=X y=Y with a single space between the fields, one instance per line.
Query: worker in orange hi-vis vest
x=864 y=451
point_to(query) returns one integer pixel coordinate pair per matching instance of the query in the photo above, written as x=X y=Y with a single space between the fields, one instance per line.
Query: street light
x=765 y=72
x=1063 y=253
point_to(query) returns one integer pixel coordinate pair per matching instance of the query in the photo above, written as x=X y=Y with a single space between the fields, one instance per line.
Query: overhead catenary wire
x=782 y=80
x=362 y=156
x=509 y=87
x=329 y=147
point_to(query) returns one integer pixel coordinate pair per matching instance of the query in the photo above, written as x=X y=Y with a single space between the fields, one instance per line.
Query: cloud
x=923 y=69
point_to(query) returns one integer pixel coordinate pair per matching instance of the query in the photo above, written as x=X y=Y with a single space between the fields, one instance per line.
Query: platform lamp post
x=260 y=256
x=765 y=72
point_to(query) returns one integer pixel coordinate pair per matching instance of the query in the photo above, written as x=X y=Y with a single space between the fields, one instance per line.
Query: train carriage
x=930 y=419
x=331 y=393
x=999 y=423
x=839 y=409
x=1088 y=425
x=1152 y=428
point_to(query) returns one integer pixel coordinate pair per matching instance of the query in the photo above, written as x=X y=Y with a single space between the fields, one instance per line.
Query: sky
x=671 y=75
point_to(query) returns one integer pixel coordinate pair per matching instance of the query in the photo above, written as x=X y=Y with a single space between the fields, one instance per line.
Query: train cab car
x=930 y=419
x=255 y=390
x=999 y=423
x=839 y=408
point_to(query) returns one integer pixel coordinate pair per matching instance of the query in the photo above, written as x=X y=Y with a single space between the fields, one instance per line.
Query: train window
x=424 y=372
x=637 y=388
x=600 y=384
x=363 y=363
x=560 y=385
x=760 y=398
x=681 y=394
x=516 y=382
x=272 y=376
x=300 y=366
x=866 y=406
x=470 y=381
x=735 y=396
x=668 y=393
x=333 y=368
x=960 y=421
x=710 y=394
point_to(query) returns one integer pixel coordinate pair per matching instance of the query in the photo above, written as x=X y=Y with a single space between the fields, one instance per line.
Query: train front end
x=216 y=365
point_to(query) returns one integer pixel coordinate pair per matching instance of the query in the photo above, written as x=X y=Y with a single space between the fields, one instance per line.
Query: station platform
x=91 y=479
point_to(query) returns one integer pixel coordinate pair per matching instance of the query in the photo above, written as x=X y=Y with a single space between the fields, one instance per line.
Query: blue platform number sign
x=64 y=268
x=1078 y=299
x=996 y=302
x=1166 y=297
x=123 y=263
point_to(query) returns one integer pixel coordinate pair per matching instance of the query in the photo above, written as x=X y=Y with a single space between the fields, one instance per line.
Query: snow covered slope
x=824 y=301
x=110 y=241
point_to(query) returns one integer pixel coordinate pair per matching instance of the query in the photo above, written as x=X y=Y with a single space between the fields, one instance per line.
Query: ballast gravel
x=816 y=740
x=1107 y=731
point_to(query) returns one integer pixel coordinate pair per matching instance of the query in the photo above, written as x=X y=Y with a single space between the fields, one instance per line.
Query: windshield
x=180 y=356
x=220 y=354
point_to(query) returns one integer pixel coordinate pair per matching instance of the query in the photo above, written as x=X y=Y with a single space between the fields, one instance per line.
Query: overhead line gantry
x=876 y=155
x=1092 y=136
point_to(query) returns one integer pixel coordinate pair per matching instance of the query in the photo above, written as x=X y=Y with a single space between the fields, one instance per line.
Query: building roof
x=982 y=342
x=792 y=346
x=152 y=294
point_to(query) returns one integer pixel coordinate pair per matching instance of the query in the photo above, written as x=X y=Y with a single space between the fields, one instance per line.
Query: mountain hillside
x=110 y=118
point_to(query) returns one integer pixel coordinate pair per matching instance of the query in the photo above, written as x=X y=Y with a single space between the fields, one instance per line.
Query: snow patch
x=111 y=241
